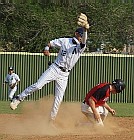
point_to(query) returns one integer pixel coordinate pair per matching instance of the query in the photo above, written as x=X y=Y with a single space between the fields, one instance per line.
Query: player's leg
x=11 y=93
x=87 y=111
x=60 y=87
x=103 y=112
x=45 y=78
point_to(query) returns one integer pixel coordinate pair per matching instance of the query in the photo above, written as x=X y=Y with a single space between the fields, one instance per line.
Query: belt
x=62 y=68
x=84 y=102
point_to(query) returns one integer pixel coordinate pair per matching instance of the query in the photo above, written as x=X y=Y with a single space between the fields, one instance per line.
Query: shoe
x=15 y=102
x=52 y=124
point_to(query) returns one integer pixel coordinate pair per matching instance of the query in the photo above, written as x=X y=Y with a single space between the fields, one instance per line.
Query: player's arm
x=92 y=105
x=5 y=82
x=17 y=81
x=84 y=37
x=56 y=43
x=97 y=116
x=112 y=111
x=83 y=22
x=46 y=51
x=17 y=78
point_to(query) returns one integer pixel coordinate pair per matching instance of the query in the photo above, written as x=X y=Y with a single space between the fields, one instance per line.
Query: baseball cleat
x=52 y=124
x=15 y=102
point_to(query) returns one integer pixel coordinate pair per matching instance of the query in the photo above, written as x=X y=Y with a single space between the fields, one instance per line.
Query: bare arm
x=95 y=112
x=112 y=111
x=92 y=105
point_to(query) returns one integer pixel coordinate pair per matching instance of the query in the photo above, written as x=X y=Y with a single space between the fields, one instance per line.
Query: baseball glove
x=13 y=85
x=82 y=21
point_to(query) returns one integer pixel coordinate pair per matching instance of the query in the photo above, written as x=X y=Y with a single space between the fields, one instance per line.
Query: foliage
x=29 y=26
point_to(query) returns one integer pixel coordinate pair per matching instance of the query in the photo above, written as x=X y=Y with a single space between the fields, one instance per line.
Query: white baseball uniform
x=58 y=71
x=12 y=79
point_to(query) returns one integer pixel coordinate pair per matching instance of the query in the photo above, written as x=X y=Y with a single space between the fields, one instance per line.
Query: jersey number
x=63 y=53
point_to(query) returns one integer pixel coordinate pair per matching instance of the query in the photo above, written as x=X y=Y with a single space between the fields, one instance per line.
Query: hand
x=112 y=111
x=46 y=53
x=96 y=115
x=99 y=122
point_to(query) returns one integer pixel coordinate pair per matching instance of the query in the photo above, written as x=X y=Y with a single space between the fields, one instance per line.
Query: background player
x=95 y=107
x=69 y=53
x=12 y=80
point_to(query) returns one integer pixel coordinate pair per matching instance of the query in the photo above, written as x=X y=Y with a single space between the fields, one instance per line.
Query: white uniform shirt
x=11 y=79
x=69 y=53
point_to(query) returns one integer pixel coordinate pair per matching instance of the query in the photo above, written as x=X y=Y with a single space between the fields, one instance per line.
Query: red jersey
x=100 y=94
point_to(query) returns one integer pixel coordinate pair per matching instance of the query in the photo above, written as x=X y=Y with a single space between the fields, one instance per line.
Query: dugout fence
x=90 y=70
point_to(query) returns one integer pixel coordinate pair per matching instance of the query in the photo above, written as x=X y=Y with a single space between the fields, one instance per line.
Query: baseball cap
x=79 y=31
x=10 y=68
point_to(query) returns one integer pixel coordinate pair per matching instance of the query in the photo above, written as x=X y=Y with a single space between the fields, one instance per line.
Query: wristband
x=46 y=48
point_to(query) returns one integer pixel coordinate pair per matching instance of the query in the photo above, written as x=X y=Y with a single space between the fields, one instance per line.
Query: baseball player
x=12 y=80
x=94 y=107
x=69 y=53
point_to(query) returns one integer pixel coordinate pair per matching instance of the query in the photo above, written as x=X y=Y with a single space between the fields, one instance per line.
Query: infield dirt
x=33 y=124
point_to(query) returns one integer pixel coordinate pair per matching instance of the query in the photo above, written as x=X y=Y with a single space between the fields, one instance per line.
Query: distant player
x=69 y=53
x=12 y=80
x=94 y=107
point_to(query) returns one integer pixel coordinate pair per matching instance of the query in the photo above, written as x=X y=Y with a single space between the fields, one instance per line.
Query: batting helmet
x=119 y=85
x=79 y=31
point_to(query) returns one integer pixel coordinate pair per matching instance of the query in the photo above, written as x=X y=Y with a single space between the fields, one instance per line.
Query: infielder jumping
x=69 y=53
x=94 y=107
x=12 y=80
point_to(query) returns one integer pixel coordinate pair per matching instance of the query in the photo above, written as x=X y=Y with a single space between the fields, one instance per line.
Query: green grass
x=122 y=109
x=5 y=108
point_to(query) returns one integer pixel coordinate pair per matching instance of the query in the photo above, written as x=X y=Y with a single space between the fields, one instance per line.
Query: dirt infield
x=70 y=124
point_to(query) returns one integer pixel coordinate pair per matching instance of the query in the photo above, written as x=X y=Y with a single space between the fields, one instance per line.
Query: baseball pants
x=11 y=92
x=86 y=109
x=53 y=73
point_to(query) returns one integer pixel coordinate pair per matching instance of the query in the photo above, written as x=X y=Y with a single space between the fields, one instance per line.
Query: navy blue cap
x=79 y=31
x=10 y=68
